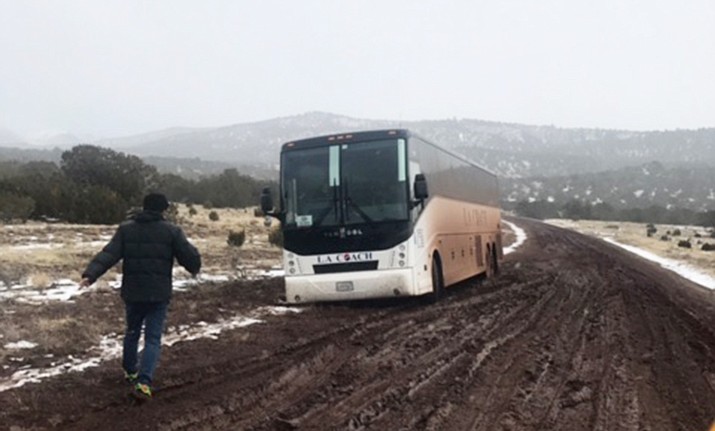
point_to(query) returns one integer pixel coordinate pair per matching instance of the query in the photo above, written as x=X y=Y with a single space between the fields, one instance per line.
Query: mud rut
x=574 y=334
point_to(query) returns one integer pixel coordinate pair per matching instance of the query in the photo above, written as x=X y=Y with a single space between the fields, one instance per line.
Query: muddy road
x=574 y=334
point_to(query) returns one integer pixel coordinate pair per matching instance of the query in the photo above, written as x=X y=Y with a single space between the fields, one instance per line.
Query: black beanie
x=155 y=202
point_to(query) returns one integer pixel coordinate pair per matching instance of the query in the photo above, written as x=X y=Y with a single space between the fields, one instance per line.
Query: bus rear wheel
x=495 y=261
x=490 y=263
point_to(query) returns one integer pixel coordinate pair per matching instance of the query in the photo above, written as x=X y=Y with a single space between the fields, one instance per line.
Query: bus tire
x=490 y=262
x=495 y=261
x=437 y=281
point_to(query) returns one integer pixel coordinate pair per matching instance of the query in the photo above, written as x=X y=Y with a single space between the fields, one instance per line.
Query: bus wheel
x=437 y=281
x=495 y=260
x=489 y=259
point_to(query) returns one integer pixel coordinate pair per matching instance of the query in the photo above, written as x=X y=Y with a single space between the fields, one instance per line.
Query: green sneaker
x=142 y=391
x=130 y=377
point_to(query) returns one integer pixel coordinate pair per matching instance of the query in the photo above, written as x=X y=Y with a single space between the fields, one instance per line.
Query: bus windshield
x=345 y=184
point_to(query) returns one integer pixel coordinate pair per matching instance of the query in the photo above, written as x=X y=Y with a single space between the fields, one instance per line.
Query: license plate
x=344 y=286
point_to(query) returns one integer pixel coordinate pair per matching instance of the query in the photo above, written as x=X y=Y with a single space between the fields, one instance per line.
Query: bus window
x=374 y=181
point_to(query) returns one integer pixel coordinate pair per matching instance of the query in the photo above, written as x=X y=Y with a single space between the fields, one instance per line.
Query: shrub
x=708 y=247
x=684 y=244
x=257 y=212
x=236 y=239
x=664 y=238
x=275 y=236
x=172 y=213
x=192 y=211
x=676 y=232
x=213 y=216
x=14 y=207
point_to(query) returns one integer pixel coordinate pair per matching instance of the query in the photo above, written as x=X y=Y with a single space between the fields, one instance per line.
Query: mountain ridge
x=523 y=156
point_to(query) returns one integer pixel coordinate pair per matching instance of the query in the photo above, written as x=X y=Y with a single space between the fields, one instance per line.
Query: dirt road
x=573 y=335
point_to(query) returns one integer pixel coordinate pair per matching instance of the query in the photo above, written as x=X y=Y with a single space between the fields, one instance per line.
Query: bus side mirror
x=266 y=201
x=421 y=192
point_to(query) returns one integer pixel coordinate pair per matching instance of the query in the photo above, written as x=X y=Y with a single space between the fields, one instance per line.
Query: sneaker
x=130 y=377
x=142 y=391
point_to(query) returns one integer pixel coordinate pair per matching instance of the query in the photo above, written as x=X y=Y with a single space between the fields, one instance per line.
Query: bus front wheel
x=437 y=281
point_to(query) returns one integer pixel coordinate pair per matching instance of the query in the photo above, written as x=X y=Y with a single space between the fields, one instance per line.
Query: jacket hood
x=147 y=216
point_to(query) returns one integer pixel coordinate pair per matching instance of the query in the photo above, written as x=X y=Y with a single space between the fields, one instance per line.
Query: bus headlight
x=402 y=263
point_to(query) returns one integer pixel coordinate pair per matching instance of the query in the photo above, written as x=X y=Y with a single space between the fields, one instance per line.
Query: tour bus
x=380 y=214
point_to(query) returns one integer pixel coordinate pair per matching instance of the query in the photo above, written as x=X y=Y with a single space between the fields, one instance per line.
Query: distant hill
x=642 y=186
x=510 y=150
x=30 y=154
x=623 y=168
x=10 y=139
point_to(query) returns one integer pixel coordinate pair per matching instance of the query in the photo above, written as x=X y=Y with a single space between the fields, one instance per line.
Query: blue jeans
x=152 y=316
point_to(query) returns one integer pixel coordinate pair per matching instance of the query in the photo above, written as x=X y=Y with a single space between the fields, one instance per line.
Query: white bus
x=380 y=214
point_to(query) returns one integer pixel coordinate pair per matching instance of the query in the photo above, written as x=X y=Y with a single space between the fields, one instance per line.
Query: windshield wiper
x=349 y=203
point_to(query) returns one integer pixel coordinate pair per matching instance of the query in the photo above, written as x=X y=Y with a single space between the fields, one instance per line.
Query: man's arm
x=105 y=259
x=186 y=254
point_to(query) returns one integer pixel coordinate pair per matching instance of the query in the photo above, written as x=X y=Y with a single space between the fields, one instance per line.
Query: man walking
x=148 y=245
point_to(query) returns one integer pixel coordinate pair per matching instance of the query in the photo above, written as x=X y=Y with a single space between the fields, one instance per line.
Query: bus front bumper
x=346 y=286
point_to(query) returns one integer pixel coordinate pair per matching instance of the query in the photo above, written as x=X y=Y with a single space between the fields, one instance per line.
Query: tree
x=15 y=207
x=538 y=209
x=577 y=210
x=707 y=219
x=128 y=176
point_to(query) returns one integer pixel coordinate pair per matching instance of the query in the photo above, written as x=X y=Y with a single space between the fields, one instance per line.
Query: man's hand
x=86 y=282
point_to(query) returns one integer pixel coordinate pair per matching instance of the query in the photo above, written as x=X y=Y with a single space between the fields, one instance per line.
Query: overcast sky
x=110 y=68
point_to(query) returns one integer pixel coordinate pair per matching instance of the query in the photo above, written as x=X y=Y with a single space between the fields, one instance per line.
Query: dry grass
x=61 y=328
x=63 y=250
x=40 y=280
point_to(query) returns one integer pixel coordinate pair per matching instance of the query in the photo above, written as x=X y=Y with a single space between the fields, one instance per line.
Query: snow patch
x=520 y=237
x=22 y=344
x=684 y=270
x=110 y=347
x=65 y=290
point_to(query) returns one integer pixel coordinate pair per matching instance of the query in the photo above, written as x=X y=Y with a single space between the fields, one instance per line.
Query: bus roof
x=370 y=135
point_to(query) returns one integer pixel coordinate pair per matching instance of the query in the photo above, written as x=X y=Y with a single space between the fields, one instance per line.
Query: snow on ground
x=110 y=347
x=64 y=290
x=684 y=270
x=22 y=344
x=520 y=237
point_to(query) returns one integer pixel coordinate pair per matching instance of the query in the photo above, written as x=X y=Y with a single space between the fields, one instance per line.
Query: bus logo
x=346 y=257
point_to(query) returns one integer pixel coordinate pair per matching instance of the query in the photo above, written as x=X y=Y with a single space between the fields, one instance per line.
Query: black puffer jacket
x=148 y=244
